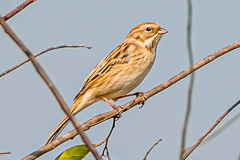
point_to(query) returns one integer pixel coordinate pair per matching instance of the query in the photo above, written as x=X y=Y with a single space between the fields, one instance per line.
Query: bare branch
x=221 y=129
x=18 y=9
x=191 y=82
x=49 y=83
x=105 y=147
x=99 y=144
x=145 y=157
x=111 y=114
x=239 y=156
x=40 y=53
x=209 y=130
x=108 y=155
x=2 y=153
x=218 y=131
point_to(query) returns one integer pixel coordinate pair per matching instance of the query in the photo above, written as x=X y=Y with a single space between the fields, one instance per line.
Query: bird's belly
x=126 y=83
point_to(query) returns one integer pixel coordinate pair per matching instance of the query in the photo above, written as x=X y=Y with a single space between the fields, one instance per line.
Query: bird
x=117 y=74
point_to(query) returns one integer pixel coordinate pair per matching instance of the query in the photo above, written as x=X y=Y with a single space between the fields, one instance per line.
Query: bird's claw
x=120 y=110
x=144 y=98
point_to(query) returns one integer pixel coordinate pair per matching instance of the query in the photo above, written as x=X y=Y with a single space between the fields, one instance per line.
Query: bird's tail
x=58 y=129
x=63 y=123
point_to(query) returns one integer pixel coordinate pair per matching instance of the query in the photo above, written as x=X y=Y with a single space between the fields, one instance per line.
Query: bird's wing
x=104 y=66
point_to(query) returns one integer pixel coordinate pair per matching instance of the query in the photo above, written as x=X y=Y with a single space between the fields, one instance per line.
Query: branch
x=18 y=9
x=107 y=139
x=51 y=86
x=220 y=130
x=111 y=114
x=209 y=130
x=40 y=53
x=191 y=82
x=2 y=153
x=145 y=157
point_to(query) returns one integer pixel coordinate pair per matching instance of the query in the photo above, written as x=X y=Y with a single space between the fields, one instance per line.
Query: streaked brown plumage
x=119 y=72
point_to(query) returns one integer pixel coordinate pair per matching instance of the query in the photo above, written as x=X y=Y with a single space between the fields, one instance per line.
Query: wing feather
x=104 y=66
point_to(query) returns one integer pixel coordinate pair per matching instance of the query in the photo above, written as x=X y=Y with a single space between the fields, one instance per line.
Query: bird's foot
x=118 y=108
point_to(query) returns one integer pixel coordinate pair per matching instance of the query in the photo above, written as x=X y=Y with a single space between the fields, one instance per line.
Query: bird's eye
x=148 y=29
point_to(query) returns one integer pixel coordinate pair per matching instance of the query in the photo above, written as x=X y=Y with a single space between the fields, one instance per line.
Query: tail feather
x=63 y=123
x=58 y=129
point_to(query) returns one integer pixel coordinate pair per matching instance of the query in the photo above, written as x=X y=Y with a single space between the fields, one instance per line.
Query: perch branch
x=111 y=114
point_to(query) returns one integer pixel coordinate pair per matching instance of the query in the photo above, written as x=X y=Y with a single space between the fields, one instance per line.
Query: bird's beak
x=162 y=31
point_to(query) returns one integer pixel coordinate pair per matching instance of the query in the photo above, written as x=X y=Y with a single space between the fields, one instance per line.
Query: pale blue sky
x=29 y=111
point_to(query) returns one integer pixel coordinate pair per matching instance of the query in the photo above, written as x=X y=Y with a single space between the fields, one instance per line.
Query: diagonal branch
x=220 y=130
x=51 y=86
x=18 y=9
x=209 y=130
x=111 y=114
x=40 y=53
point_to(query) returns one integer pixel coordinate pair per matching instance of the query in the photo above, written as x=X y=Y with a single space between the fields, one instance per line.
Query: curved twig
x=40 y=53
x=145 y=157
x=105 y=147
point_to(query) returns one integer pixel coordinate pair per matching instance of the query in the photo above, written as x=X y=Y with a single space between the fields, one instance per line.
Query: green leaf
x=74 y=153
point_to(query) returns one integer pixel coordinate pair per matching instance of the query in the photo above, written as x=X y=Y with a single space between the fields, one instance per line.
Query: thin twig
x=108 y=155
x=145 y=157
x=138 y=100
x=209 y=130
x=40 y=53
x=18 y=9
x=49 y=83
x=105 y=147
x=239 y=156
x=2 y=153
x=99 y=144
x=220 y=130
x=191 y=82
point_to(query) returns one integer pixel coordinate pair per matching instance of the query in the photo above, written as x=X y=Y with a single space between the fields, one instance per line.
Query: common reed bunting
x=119 y=72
